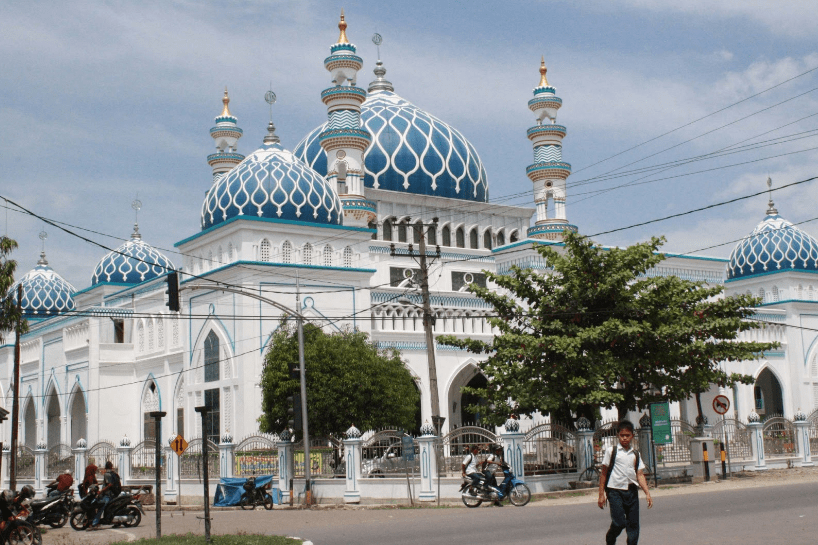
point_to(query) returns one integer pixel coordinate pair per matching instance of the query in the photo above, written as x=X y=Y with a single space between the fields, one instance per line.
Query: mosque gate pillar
x=428 y=462
x=173 y=485
x=4 y=476
x=226 y=448
x=754 y=423
x=285 y=462
x=124 y=455
x=80 y=459
x=585 y=445
x=40 y=466
x=352 y=457
x=513 y=447
x=802 y=435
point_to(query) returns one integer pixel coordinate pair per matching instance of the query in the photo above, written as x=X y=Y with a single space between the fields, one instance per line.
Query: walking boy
x=622 y=471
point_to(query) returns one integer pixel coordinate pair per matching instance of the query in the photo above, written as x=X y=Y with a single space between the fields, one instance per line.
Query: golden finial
x=226 y=101
x=342 y=25
x=543 y=70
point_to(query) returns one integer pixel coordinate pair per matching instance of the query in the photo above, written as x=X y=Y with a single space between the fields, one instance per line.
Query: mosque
x=332 y=229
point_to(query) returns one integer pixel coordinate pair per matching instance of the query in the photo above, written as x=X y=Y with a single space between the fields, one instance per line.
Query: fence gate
x=606 y=436
x=382 y=455
x=549 y=448
x=326 y=459
x=737 y=438
x=191 y=462
x=779 y=437
x=104 y=451
x=255 y=455
x=677 y=452
x=143 y=461
x=25 y=462
x=58 y=460
x=812 y=420
x=456 y=444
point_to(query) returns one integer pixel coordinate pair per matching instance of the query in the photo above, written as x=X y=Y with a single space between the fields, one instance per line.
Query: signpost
x=661 y=433
x=407 y=451
x=721 y=404
x=179 y=445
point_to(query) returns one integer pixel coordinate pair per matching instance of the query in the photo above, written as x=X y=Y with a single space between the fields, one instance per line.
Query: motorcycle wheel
x=79 y=521
x=247 y=503
x=519 y=495
x=134 y=516
x=60 y=522
x=268 y=502
x=25 y=534
x=470 y=499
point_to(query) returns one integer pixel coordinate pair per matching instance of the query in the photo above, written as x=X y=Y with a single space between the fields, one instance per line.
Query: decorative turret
x=549 y=172
x=344 y=141
x=226 y=134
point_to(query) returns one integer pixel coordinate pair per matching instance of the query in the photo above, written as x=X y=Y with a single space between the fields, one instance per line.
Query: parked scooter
x=512 y=488
x=124 y=510
x=14 y=509
x=253 y=496
x=52 y=510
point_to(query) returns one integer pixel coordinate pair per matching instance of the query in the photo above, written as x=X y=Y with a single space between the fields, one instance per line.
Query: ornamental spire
x=226 y=135
x=771 y=210
x=543 y=70
x=342 y=26
x=226 y=101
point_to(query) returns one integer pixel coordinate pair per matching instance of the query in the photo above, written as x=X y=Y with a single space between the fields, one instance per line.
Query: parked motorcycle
x=474 y=494
x=53 y=510
x=253 y=496
x=14 y=528
x=125 y=510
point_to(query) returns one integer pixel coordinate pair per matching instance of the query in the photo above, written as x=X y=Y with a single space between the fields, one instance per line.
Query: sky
x=104 y=102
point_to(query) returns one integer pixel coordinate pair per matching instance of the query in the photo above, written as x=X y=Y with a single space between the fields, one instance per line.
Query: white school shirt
x=471 y=461
x=623 y=474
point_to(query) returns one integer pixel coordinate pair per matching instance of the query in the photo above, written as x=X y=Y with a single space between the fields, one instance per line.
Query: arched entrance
x=30 y=425
x=53 y=419
x=460 y=413
x=769 y=399
x=78 y=420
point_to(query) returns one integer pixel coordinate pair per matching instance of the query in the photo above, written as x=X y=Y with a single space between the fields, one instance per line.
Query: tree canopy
x=600 y=330
x=8 y=305
x=349 y=381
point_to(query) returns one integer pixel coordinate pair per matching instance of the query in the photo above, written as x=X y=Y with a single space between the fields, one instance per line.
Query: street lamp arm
x=276 y=304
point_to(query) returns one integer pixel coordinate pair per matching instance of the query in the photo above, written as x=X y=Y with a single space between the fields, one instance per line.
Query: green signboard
x=660 y=423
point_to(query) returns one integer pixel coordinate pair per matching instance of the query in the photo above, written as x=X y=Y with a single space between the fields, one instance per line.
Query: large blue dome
x=412 y=151
x=133 y=262
x=775 y=245
x=271 y=183
x=45 y=293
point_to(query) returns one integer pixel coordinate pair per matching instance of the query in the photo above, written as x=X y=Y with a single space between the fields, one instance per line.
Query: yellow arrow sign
x=179 y=445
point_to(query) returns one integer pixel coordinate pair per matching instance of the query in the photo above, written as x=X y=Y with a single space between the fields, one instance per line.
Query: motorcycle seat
x=42 y=501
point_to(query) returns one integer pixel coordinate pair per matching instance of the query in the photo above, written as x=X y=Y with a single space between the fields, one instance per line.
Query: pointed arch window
x=762 y=295
x=230 y=252
x=387 y=229
x=287 y=252
x=264 y=251
x=460 y=237
x=417 y=231
x=348 y=256
x=211 y=357
x=431 y=235
x=307 y=254
x=487 y=239
x=374 y=226
x=447 y=236
x=514 y=237
x=328 y=256
x=774 y=295
x=473 y=239
x=501 y=239
x=402 y=231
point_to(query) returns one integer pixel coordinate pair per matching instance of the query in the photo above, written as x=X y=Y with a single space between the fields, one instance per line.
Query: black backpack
x=613 y=461
x=116 y=484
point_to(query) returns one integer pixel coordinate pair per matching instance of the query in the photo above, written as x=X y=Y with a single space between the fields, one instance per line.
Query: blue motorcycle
x=474 y=494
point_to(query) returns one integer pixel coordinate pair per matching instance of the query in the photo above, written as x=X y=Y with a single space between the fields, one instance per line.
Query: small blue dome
x=775 y=245
x=412 y=151
x=45 y=293
x=132 y=263
x=272 y=183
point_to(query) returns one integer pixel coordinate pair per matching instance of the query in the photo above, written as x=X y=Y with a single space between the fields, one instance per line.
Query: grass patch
x=191 y=539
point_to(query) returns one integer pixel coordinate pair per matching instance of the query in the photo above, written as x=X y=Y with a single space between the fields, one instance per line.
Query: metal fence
x=605 y=436
x=59 y=459
x=191 y=462
x=326 y=455
x=549 y=448
x=382 y=455
x=779 y=437
x=678 y=451
x=255 y=455
x=455 y=446
x=736 y=436
x=25 y=463
x=812 y=431
x=101 y=452
x=143 y=460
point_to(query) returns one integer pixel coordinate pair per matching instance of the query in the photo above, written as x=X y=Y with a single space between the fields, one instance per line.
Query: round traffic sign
x=721 y=404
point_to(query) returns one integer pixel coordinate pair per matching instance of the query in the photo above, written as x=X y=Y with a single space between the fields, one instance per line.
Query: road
x=764 y=515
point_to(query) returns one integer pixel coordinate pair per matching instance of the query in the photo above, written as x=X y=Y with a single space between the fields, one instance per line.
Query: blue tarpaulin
x=229 y=491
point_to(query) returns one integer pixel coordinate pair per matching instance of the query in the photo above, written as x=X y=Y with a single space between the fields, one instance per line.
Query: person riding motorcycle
x=112 y=485
x=493 y=462
x=60 y=484
x=469 y=467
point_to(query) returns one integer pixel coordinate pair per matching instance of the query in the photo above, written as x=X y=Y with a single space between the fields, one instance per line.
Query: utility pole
x=203 y=411
x=157 y=416
x=428 y=321
x=15 y=404
x=303 y=377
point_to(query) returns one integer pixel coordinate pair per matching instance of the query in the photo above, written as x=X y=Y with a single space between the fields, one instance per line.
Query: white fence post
x=428 y=462
x=173 y=486
x=585 y=445
x=513 y=446
x=802 y=433
x=352 y=455
x=124 y=466
x=80 y=459
x=4 y=479
x=753 y=422
x=285 y=462
x=226 y=449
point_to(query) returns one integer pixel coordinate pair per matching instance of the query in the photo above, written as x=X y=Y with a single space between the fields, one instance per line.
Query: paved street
x=746 y=516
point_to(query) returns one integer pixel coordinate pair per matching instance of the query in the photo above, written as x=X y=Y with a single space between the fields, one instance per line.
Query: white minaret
x=226 y=134
x=549 y=172
x=345 y=140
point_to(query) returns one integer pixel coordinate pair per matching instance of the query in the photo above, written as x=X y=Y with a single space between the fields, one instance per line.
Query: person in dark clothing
x=110 y=482
x=89 y=478
x=619 y=483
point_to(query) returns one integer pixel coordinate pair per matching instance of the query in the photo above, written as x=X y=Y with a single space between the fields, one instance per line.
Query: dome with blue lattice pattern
x=412 y=151
x=271 y=183
x=133 y=262
x=45 y=293
x=775 y=245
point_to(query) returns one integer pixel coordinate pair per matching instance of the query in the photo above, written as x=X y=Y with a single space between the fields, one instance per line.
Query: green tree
x=8 y=301
x=349 y=381
x=598 y=330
